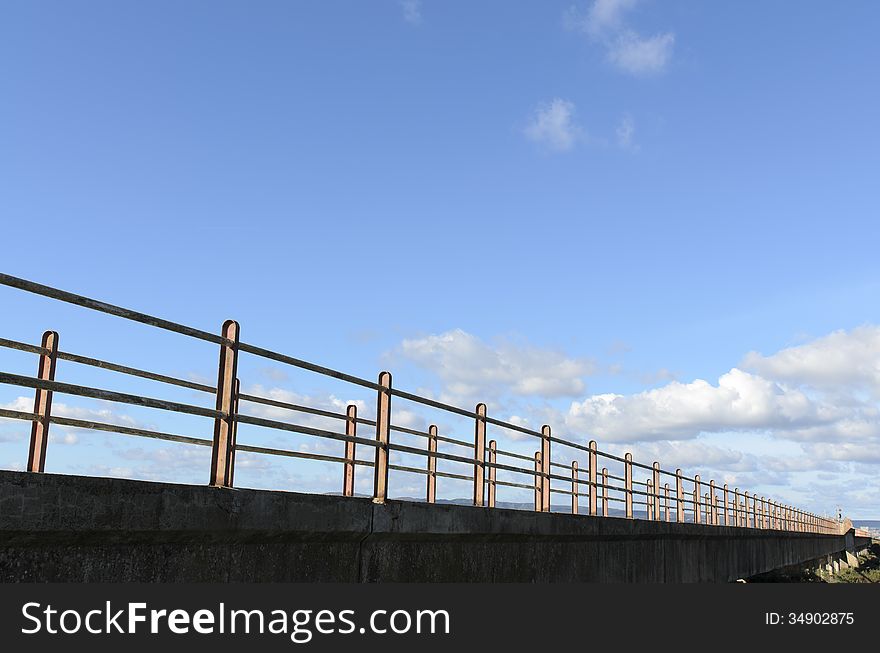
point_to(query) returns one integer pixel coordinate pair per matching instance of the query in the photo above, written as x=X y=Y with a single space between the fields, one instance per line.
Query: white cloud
x=641 y=55
x=327 y=402
x=625 y=132
x=60 y=409
x=412 y=11
x=740 y=401
x=839 y=359
x=846 y=451
x=601 y=17
x=475 y=371
x=553 y=126
x=625 y=48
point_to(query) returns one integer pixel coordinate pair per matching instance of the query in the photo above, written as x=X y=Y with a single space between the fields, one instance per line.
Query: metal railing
x=665 y=495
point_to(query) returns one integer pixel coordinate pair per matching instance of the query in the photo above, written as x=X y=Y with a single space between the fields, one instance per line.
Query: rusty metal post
x=492 y=454
x=656 y=482
x=574 y=487
x=43 y=404
x=545 y=468
x=746 y=510
x=383 y=438
x=593 y=471
x=666 y=502
x=221 y=452
x=679 y=497
x=736 y=520
x=649 y=500
x=697 y=501
x=232 y=449
x=713 y=518
x=479 y=454
x=605 y=501
x=726 y=507
x=628 y=483
x=432 y=463
x=538 y=485
x=351 y=413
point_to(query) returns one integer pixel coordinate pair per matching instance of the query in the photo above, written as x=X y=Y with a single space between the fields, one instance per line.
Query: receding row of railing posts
x=740 y=509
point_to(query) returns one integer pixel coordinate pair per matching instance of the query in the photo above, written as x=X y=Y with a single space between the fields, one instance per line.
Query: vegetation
x=868 y=570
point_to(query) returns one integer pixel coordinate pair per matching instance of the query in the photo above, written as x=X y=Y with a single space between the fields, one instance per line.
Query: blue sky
x=616 y=200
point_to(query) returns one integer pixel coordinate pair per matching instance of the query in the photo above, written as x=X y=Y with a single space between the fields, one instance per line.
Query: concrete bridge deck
x=74 y=528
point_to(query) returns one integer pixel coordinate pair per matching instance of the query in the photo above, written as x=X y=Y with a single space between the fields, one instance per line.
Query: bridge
x=589 y=518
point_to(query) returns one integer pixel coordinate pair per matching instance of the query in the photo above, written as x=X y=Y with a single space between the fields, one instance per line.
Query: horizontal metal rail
x=658 y=501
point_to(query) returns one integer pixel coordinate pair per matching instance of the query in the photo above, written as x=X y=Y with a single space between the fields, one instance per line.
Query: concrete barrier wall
x=73 y=528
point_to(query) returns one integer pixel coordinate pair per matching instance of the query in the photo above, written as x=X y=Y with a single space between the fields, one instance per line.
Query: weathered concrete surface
x=73 y=528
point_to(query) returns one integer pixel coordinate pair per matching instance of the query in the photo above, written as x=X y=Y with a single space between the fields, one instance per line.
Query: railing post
x=593 y=471
x=221 y=453
x=383 y=438
x=493 y=446
x=232 y=450
x=746 y=508
x=545 y=468
x=707 y=510
x=43 y=404
x=479 y=454
x=716 y=521
x=726 y=507
x=656 y=481
x=649 y=500
x=697 y=519
x=351 y=413
x=628 y=484
x=713 y=519
x=666 y=500
x=605 y=501
x=538 y=485
x=679 y=497
x=432 y=464
x=574 y=487
x=736 y=518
